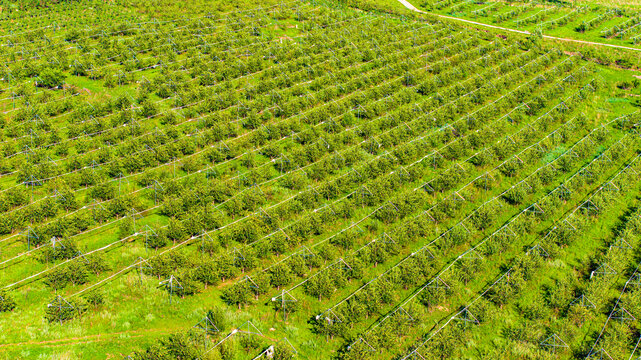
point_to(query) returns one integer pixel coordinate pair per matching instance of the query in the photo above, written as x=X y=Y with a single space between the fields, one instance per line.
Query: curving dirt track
x=413 y=8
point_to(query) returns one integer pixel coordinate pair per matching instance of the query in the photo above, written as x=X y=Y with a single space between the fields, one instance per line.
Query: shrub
x=95 y=298
x=6 y=302
x=51 y=78
x=61 y=310
x=176 y=346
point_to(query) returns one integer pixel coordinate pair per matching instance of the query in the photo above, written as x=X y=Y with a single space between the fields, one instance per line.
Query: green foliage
x=51 y=78
x=76 y=273
x=280 y=275
x=320 y=286
x=61 y=310
x=94 y=298
x=218 y=317
x=283 y=352
x=175 y=346
x=6 y=302
x=63 y=249
x=126 y=227
x=207 y=273
x=237 y=294
x=350 y=177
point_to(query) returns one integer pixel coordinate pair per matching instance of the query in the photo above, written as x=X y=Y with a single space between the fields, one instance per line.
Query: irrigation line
x=487 y=238
x=231 y=50
x=119 y=31
x=180 y=244
x=508 y=271
x=455 y=165
x=207 y=233
x=236 y=138
x=358 y=250
x=382 y=206
x=461 y=222
x=601 y=187
x=327 y=267
x=197 y=172
x=616 y=304
x=239 y=219
x=349 y=68
x=156 y=21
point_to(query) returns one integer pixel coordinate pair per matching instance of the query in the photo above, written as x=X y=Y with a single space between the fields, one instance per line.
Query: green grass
x=566 y=30
x=135 y=316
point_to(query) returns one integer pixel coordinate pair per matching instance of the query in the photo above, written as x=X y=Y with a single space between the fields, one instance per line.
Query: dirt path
x=413 y=8
x=88 y=338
